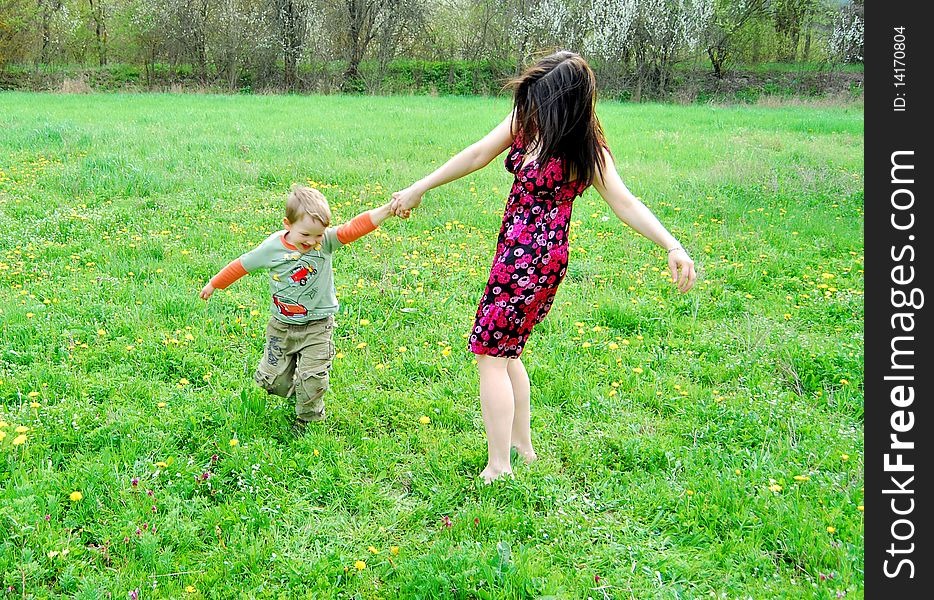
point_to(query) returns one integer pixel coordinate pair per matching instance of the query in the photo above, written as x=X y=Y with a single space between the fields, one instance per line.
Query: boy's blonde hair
x=307 y=201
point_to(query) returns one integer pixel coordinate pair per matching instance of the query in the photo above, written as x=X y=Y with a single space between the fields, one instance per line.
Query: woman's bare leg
x=521 y=419
x=498 y=407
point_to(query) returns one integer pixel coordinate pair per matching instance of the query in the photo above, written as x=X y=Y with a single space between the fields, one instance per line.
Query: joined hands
x=404 y=201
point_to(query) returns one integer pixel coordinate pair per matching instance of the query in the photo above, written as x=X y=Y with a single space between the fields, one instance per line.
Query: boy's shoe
x=299 y=426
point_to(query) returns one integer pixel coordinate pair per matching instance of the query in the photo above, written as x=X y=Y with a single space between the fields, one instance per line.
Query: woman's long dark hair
x=555 y=102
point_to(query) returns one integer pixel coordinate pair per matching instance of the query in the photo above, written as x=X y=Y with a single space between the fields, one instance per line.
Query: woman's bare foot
x=527 y=454
x=490 y=474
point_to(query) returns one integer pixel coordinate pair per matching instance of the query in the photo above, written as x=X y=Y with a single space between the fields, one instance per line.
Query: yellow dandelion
x=424 y=420
x=361 y=345
x=801 y=478
x=190 y=589
x=860 y=508
x=844 y=457
x=844 y=382
x=364 y=322
x=738 y=472
x=359 y=565
x=162 y=464
x=831 y=529
x=373 y=550
x=234 y=442
x=403 y=349
x=689 y=492
x=612 y=393
x=446 y=352
x=34 y=405
x=2 y=435
x=101 y=332
x=394 y=550
x=586 y=345
x=161 y=404
x=775 y=488
x=183 y=381
x=613 y=346
x=637 y=370
x=21 y=429
x=33 y=394
x=75 y=496
x=4 y=423
x=30 y=315
x=315 y=452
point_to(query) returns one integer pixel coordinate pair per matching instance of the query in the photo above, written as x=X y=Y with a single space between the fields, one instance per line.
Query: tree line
x=353 y=44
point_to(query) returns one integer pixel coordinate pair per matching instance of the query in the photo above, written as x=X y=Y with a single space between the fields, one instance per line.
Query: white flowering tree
x=649 y=36
x=847 y=37
x=240 y=37
x=540 y=24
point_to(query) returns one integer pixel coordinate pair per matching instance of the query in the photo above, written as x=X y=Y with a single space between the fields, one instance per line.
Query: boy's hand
x=380 y=214
x=206 y=291
x=405 y=200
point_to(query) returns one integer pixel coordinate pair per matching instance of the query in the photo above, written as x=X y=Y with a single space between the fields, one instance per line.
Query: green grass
x=661 y=419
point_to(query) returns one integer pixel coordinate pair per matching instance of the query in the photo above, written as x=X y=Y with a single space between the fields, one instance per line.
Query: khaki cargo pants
x=296 y=361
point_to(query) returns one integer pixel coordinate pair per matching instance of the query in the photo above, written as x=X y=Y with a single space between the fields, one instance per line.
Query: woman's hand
x=405 y=200
x=682 y=269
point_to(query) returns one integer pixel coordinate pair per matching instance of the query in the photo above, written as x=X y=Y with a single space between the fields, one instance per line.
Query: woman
x=556 y=151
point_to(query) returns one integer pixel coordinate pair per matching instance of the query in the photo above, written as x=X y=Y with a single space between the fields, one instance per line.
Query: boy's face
x=306 y=233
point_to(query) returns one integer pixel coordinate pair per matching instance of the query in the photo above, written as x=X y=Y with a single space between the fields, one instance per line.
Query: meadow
x=697 y=445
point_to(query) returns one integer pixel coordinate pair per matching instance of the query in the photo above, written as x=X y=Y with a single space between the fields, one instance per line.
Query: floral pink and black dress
x=531 y=254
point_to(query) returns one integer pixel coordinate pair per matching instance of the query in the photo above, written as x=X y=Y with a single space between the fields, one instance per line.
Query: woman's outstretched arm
x=473 y=157
x=637 y=215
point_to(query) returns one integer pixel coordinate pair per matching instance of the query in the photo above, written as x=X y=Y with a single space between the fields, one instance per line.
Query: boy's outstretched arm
x=363 y=223
x=224 y=278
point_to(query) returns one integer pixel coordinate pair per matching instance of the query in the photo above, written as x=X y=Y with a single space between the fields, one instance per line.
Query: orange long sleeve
x=356 y=228
x=228 y=274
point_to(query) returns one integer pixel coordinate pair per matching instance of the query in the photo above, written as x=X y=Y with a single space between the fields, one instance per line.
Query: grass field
x=691 y=445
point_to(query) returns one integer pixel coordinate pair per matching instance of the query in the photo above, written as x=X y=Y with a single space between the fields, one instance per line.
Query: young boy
x=299 y=348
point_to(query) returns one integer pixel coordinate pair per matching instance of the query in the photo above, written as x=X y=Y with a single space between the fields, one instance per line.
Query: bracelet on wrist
x=670 y=250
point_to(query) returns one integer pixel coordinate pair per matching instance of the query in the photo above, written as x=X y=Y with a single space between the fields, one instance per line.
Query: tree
x=362 y=21
x=97 y=14
x=47 y=10
x=647 y=36
x=291 y=21
x=189 y=22
x=15 y=17
x=847 y=38
x=790 y=18
x=728 y=19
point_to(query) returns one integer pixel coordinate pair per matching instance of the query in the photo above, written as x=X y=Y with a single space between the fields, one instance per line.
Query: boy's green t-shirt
x=301 y=285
